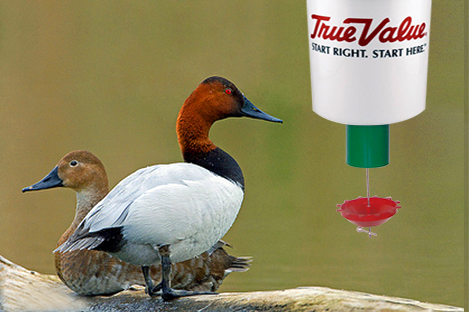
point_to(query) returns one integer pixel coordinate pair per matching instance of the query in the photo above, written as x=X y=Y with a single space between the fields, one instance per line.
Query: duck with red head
x=214 y=99
x=166 y=214
x=92 y=272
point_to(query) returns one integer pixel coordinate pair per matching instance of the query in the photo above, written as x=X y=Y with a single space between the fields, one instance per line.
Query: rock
x=23 y=290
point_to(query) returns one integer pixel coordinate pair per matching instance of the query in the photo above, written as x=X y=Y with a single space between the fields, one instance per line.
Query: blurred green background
x=110 y=77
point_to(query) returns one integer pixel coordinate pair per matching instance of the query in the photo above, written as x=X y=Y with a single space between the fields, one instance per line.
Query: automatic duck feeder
x=369 y=63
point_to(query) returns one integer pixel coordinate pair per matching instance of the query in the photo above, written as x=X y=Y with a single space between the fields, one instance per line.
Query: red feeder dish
x=359 y=212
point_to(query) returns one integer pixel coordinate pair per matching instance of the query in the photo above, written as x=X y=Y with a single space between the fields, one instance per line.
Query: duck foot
x=150 y=289
x=170 y=294
x=157 y=288
x=153 y=291
x=167 y=293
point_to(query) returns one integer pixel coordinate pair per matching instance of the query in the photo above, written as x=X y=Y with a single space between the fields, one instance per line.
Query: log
x=25 y=290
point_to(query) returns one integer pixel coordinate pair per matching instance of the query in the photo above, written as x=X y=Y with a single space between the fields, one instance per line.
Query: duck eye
x=228 y=91
x=73 y=163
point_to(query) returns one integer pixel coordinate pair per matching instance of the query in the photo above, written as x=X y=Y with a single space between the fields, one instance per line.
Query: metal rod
x=368 y=185
x=361 y=229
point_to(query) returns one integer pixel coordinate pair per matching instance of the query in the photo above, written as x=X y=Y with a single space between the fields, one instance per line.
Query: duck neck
x=193 y=134
x=193 y=129
x=87 y=198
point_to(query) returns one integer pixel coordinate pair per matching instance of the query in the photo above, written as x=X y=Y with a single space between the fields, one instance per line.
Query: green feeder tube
x=367 y=146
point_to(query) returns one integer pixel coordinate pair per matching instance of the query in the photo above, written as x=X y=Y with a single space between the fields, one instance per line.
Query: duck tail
x=232 y=263
x=238 y=264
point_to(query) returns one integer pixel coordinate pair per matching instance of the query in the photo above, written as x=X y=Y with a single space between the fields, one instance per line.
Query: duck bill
x=249 y=110
x=51 y=180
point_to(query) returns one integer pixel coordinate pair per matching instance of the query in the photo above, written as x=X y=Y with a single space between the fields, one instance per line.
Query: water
x=110 y=78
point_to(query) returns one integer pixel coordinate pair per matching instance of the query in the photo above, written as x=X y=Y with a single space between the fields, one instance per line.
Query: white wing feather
x=114 y=207
x=171 y=213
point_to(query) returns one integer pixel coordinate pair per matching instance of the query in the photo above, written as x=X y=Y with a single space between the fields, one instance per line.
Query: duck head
x=78 y=170
x=214 y=99
x=217 y=98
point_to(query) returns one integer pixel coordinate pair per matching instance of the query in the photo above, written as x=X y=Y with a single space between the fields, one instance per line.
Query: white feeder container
x=369 y=59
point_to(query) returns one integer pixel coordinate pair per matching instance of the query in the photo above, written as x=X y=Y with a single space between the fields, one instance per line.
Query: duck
x=92 y=272
x=169 y=213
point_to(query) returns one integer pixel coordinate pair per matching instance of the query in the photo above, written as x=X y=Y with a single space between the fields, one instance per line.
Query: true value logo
x=360 y=30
